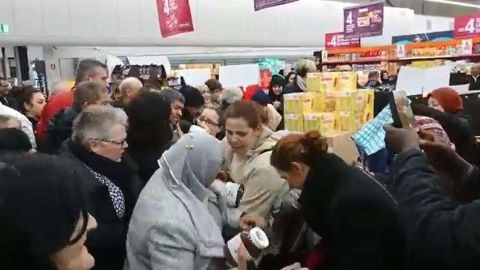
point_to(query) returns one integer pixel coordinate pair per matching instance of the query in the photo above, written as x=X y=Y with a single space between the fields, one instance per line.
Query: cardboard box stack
x=332 y=104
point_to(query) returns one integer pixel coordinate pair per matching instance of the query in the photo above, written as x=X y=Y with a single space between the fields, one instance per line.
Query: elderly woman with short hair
x=111 y=185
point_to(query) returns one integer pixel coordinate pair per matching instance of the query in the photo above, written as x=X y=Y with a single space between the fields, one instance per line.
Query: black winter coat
x=107 y=242
x=442 y=234
x=473 y=84
x=146 y=159
x=59 y=129
x=355 y=216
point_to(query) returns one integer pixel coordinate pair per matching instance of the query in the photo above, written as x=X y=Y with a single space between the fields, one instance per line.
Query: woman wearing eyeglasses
x=210 y=121
x=112 y=187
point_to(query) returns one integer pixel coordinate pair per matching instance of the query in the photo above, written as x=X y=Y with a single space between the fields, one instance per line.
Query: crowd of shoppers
x=144 y=182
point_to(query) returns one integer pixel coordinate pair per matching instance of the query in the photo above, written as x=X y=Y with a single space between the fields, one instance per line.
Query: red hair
x=448 y=98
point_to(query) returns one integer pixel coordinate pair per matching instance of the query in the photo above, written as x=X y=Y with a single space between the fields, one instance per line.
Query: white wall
x=217 y=23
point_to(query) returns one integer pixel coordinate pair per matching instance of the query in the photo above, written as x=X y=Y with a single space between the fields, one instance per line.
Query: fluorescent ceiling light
x=455 y=3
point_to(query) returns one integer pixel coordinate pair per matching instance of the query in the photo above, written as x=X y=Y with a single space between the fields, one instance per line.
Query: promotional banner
x=261 y=4
x=174 y=17
x=467 y=25
x=421 y=37
x=338 y=40
x=363 y=20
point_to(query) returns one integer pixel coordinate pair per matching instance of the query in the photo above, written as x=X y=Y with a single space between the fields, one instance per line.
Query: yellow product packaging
x=293 y=122
x=361 y=100
x=292 y=103
x=345 y=100
x=347 y=80
x=307 y=102
x=318 y=101
x=329 y=101
x=322 y=122
x=346 y=121
x=367 y=115
x=314 y=82
x=360 y=119
x=330 y=81
x=297 y=103
x=370 y=98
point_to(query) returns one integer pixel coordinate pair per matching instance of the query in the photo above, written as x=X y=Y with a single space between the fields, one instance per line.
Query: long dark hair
x=24 y=95
x=277 y=80
x=41 y=204
x=149 y=121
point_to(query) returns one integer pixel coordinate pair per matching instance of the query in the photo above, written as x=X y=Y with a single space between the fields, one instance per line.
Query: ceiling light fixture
x=455 y=3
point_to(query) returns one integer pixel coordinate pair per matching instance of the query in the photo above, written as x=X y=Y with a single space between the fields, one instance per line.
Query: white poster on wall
x=239 y=75
x=194 y=76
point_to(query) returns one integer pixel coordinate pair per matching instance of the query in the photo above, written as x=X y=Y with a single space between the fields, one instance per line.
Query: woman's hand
x=399 y=140
x=242 y=257
x=249 y=221
x=223 y=175
x=277 y=104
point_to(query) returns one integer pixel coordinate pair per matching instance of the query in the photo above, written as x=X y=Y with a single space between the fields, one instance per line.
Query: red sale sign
x=338 y=40
x=467 y=25
x=174 y=17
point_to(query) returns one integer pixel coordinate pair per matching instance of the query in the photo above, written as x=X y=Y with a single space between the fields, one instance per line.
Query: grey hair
x=172 y=95
x=95 y=122
x=5 y=118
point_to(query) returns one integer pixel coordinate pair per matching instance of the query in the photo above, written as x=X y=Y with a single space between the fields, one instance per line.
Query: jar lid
x=259 y=238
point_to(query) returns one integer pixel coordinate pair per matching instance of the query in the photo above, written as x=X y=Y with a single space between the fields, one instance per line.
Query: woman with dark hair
x=150 y=132
x=215 y=88
x=445 y=105
x=275 y=93
x=43 y=217
x=31 y=102
x=354 y=214
x=290 y=78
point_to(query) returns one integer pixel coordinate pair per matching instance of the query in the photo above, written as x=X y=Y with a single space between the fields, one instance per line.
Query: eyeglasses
x=206 y=120
x=119 y=143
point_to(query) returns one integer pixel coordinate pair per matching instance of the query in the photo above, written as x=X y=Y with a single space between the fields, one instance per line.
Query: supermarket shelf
x=413 y=58
x=358 y=61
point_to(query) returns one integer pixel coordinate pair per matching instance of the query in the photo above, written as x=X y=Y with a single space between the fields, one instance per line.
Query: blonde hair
x=305 y=66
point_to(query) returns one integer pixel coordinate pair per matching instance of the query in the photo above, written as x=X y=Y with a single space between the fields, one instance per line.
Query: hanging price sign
x=338 y=40
x=467 y=25
x=363 y=20
x=174 y=17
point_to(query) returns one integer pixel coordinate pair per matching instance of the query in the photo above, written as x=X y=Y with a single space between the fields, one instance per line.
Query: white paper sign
x=194 y=76
x=461 y=89
x=416 y=81
x=239 y=75
x=401 y=51
x=410 y=80
x=436 y=77
x=467 y=46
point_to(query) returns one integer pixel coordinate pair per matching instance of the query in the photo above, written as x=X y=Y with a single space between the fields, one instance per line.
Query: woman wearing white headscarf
x=171 y=226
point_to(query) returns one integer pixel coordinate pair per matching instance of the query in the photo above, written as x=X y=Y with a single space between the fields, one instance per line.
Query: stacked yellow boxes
x=323 y=122
x=331 y=104
x=364 y=104
x=295 y=105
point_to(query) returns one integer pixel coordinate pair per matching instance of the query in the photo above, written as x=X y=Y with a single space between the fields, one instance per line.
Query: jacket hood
x=264 y=143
